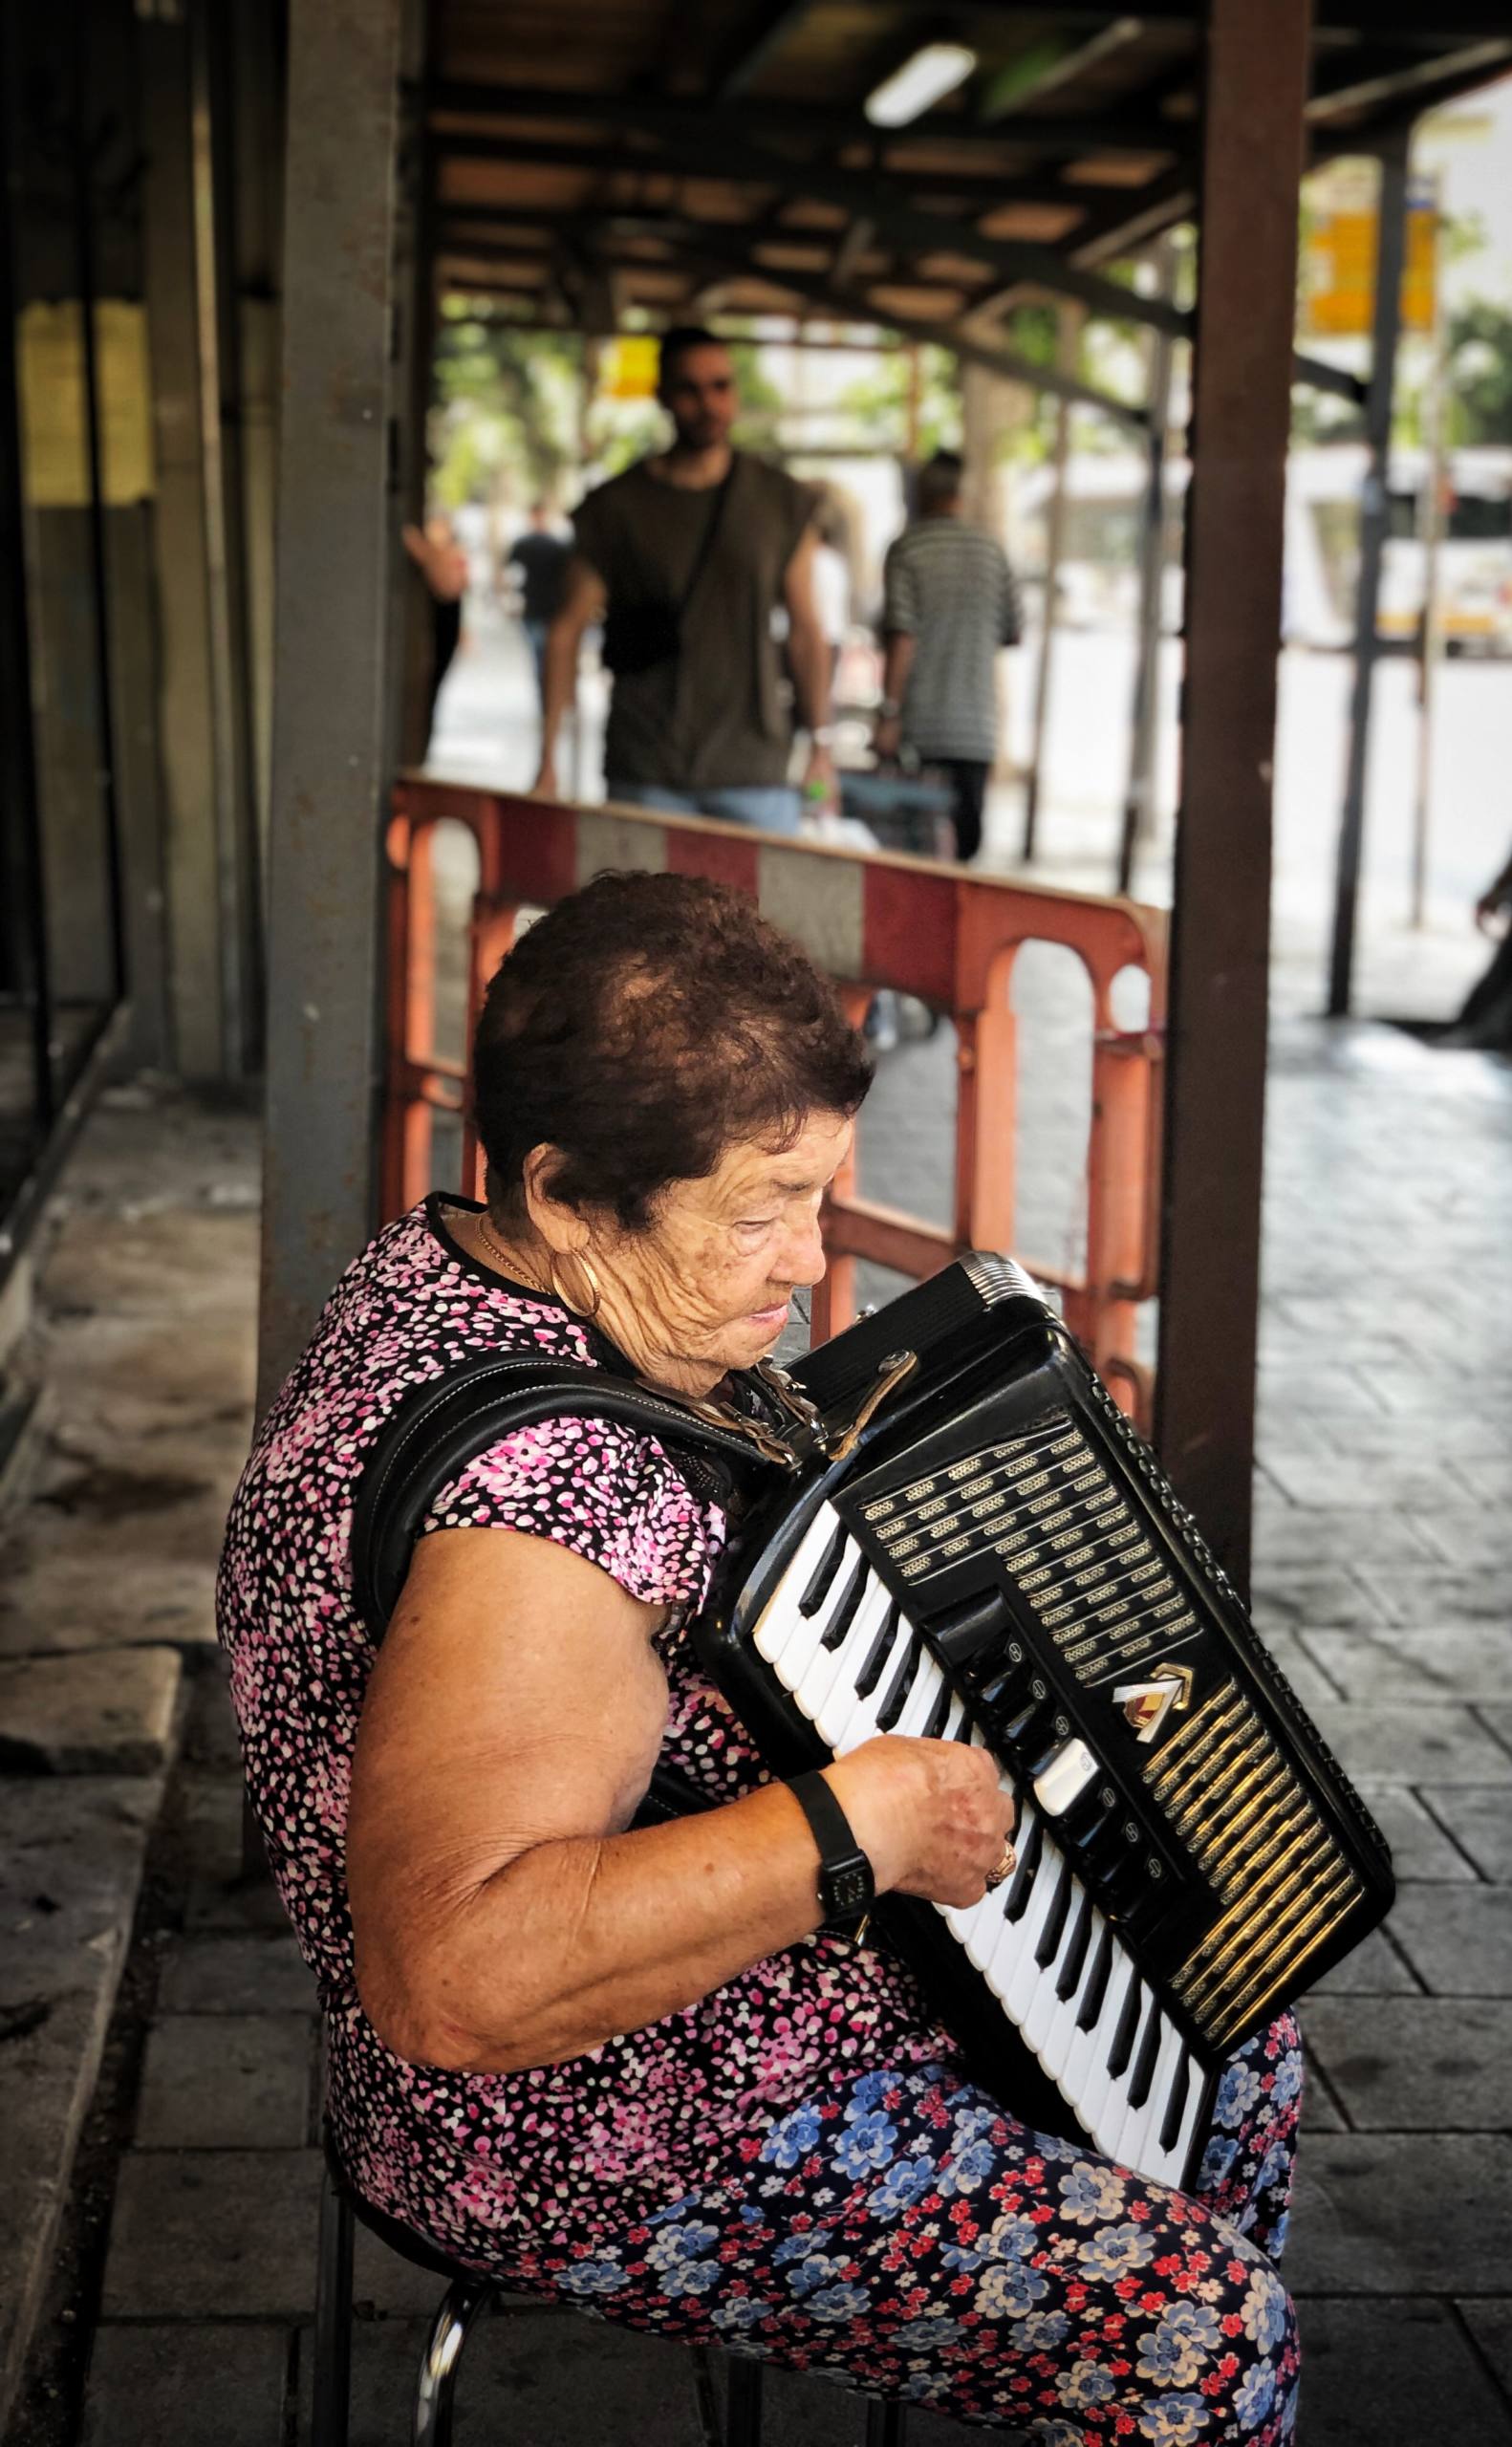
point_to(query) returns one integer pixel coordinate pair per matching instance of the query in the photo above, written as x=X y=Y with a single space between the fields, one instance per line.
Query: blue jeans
x=768 y=806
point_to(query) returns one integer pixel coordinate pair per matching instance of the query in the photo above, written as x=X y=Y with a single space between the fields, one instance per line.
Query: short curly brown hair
x=643 y=1025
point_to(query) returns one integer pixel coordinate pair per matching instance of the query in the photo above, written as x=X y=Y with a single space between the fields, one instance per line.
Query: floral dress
x=797 y=2166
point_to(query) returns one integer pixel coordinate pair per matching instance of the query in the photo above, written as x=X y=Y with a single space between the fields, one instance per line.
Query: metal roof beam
x=872 y=198
x=756 y=41
x=851 y=306
x=1414 y=85
x=1101 y=132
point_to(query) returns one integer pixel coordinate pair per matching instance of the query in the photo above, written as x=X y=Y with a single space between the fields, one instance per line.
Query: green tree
x=1481 y=373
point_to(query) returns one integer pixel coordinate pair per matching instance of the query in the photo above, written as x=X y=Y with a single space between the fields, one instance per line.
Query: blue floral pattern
x=903 y=2233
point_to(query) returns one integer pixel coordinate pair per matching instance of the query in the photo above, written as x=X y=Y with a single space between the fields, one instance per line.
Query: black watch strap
x=847 y=1888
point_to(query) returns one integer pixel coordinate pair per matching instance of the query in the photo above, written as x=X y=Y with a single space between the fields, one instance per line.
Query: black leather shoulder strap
x=436 y=1430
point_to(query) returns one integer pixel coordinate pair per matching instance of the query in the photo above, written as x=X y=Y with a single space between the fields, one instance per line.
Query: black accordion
x=944 y=1525
x=994 y=1556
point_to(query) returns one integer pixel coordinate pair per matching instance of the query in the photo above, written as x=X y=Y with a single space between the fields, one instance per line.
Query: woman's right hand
x=931 y=1816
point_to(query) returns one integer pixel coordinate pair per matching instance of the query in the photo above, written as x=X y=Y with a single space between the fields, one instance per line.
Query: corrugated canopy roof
x=680 y=155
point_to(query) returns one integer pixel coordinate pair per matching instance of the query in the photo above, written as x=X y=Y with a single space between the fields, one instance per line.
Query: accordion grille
x=1046 y=1504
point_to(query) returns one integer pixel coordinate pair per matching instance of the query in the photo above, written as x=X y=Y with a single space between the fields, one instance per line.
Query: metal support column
x=1068 y=354
x=333 y=700
x=1252 y=156
x=1139 y=824
x=1390 y=254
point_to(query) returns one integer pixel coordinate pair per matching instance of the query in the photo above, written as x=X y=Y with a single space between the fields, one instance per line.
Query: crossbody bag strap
x=704 y=553
x=436 y=1430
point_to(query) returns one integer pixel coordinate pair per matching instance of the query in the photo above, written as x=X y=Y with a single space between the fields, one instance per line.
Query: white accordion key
x=1066 y=1779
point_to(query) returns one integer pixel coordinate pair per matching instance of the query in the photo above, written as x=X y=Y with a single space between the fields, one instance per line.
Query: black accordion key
x=844 y=1616
x=1145 y=2060
x=892 y=1708
x=876 y=1655
x=1070 y=1971
x=1176 y=2104
x=1055 y=1929
x=1088 y=2012
x=1024 y=1876
x=828 y=1564
x=939 y=1717
x=1123 y=2039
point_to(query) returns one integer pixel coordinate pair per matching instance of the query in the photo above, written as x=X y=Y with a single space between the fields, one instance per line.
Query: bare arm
x=897 y=662
x=503 y=1916
x=583 y=600
x=808 y=646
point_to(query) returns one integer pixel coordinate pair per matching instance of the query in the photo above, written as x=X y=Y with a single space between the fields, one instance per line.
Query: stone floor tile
x=1490 y=2323
x=171 y=2386
x=1347 y=1483
x=1287 y=1537
x=1400 y=2213
x=1300 y=1668
x=1419 y=1846
x=99 y=1712
x=227 y=2082
x=260 y=1974
x=1419 y=1598
x=1479 y=1819
x=1499 y=1720
x=1404 y=1744
x=1320 y=2111
x=1283 y=1599
x=1415 y=2063
x=1386 y=2374
x=1477 y=1535
x=62 y=1588
x=197 y=1253
x=71 y=1850
x=213 y=2235
x=537 y=2378
x=543 y=2378
x=1451 y=1661
x=1486 y=1478
x=1458 y=1938
x=1374 y=1969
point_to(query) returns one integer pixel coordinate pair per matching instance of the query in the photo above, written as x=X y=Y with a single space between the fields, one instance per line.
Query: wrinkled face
x=706 y=1287
x=700 y=397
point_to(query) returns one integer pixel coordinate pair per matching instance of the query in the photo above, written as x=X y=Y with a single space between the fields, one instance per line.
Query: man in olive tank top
x=690 y=560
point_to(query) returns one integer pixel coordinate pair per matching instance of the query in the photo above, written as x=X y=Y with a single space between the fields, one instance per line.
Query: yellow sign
x=1338 y=267
x=53 y=412
x=628 y=369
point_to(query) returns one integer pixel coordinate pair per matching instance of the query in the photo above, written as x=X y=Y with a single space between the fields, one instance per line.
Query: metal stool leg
x=431 y=2426
x=886 y=2423
x=332 y=2372
x=742 y=2405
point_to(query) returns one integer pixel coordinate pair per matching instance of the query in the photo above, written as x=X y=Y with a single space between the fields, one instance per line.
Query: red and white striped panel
x=855 y=916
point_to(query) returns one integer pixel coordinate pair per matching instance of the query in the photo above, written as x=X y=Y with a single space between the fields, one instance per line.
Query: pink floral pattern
x=796 y=2164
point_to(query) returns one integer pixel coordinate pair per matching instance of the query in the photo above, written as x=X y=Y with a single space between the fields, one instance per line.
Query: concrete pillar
x=185 y=702
x=333 y=705
x=1252 y=153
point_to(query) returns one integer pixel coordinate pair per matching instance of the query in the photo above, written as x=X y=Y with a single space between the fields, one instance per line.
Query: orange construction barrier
x=946 y=935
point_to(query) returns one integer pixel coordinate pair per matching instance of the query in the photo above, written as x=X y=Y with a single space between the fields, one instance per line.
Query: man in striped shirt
x=949 y=602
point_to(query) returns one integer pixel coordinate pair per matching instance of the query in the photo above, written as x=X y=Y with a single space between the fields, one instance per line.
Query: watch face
x=850 y=1888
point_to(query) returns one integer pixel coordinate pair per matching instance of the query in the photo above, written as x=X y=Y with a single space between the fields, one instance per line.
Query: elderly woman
x=624 y=2065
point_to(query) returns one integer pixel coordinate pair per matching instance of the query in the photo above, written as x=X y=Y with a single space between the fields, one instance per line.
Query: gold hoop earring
x=588 y=1308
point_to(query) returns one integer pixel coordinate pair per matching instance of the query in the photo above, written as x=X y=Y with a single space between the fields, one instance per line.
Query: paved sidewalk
x=1384 y=1545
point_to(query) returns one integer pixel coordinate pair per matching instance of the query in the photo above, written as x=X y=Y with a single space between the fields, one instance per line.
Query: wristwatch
x=847 y=1888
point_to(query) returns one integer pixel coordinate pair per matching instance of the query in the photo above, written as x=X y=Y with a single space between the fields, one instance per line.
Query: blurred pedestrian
x=689 y=558
x=1485 y=1018
x=442 y=564
x=831 y=585
x=540 y=557
x=949 y=602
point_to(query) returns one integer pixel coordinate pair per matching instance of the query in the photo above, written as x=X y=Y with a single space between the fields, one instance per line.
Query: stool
x=467 y=2295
